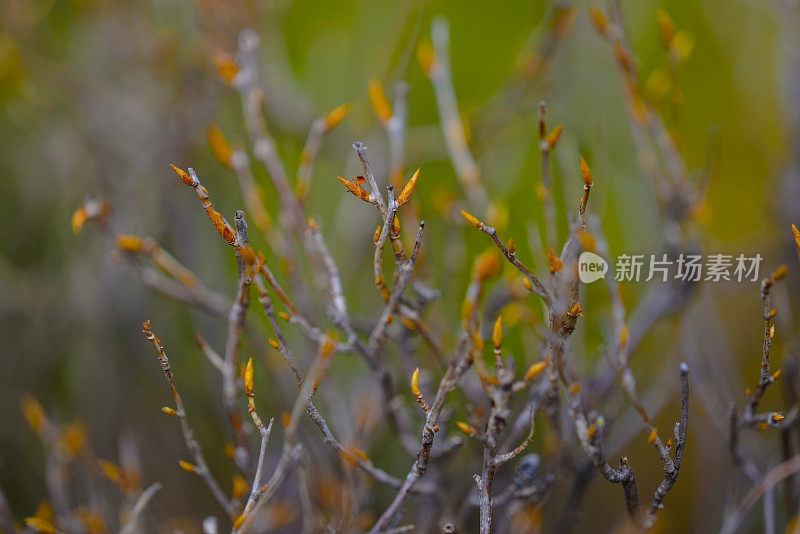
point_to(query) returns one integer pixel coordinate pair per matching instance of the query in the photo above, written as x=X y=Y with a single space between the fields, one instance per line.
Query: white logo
x=591 y=267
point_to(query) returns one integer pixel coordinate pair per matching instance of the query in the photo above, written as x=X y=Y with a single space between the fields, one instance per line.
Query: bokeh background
x=98 y=97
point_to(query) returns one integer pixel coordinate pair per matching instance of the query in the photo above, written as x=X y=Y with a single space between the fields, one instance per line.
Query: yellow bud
x=239 y=520
x=471 y=219
x=408 y=323
x=169 y=411
x=666 y=26
x=380 y=104
x=599 y=20
x=555 y=262
x=405 y=194
x=226 y=66
x=219 y=146
x=110 y=470
x=465 y=428
x=780 y=272
x=79 y=219
x=286 y=419
x=623 y=336
x=129 y=243
x=772 y=331
x=651 y=439
x=328 y=347
x=497 y=332
x=426 y=56
x=552 y=139
x=586 y=173
x=34 y=413
x=776 y=374
x=183 y=175
x=415 y=383
x=534 y=370
x=239 y=486
x=274 y=344
x=337 y=115
x=527 y=283
x=796 y=236
x=285 y=316
x=248 y=377
x=186 y=466
x=512 y=245
x=541 y=192
x=488 y=265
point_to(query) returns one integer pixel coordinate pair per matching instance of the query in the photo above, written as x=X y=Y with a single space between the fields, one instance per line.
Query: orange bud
x=415 y=383
x=780 y=272
x=239 y=486
x=34 y=413
x=471 y=219
x=534 y=370
x=552 y=139
x=586 y=173
x=380 y=103
x=591 y=431
x=337 y=115
x=488 y=265
x=285 y=316
x=796 y=235
x=651 y=439
x=79 y=219
x=328 y=347
x=408 y=323
x=778 y=417
x=575 y=388
x=219 y=145
x=377 y=234
x=226 y=66
x=169 y=411
x=776 y=374
x=527 y=283
x=248 y=378
x=623 y=58
x=239 y=521
x=497 y=332
x=555 y=262
x=599 y=20
x=465 y=428
x=230 y=451
x=186 y=466
x=405 y=194
x=110 y=470
x=512 y=246
x=274 y=344
x=623 y=336
x=183 y=175
x=129 y=243
x=665 y=26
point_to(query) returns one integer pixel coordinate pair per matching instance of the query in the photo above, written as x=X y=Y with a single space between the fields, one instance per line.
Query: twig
x=453 y=130
x=200 y=467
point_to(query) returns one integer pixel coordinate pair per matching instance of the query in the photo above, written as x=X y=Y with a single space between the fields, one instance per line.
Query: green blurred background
x=97 y=98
